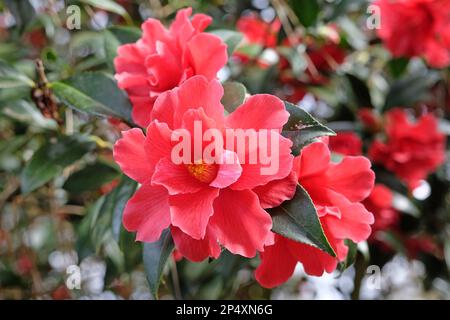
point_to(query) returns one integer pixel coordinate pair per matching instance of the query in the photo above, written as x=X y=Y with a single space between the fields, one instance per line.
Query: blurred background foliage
x=61 y=194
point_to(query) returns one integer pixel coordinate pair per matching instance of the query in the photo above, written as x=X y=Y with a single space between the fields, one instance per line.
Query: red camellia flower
x=205 y=203
x=380 y=204
x=336 y=190
x=411 y=150
x=164 y=58
x=417 y=28
x=346 y=143
x=257 y=31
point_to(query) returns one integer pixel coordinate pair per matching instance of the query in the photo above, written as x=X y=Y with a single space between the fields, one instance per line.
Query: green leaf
x=233 y=95
x=26 y=112
x=398 y=66
x=95 y=93
x=307 y=11
x=91 y=177
x=405 y=205
x=156 y=255
x=50 y=159
x=22 y=10
x=230 y=37
x=107 y=5
x=297 y=219
x=409 y=90
x=360 y=91
x=302 y=128
x=351 y=256
x=101 y=226
x=11 y=77
x=111 y=44
x=353 y=33
x=126 y=34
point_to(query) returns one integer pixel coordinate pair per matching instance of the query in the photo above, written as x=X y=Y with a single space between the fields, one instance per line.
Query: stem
x=175 y=280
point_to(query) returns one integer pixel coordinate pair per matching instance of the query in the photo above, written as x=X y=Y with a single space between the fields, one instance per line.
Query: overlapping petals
x=411 y=150
x=424 y=30
x=336 y=190
x=163 y=58
x=206 y=204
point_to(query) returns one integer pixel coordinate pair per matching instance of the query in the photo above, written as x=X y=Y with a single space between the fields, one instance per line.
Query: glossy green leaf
x=398 y=66
x=111 y=44
x=22 y=10
x=406 y=91
x=85 y=92
x=307 y=11
x=126 y=34
x=233 y=95
x=108 y=5
x=101 y=225
x=50 y=159
x=302 y=128
x=156 y=255
x=230 y=37
x=297 y=219
x=12 y=78
x=91 y=177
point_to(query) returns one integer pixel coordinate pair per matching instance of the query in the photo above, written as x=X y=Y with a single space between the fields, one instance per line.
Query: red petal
x=276 y=192
x=175 y=177
x=147 y=212
x=190 y=212
x=261 y=111
x=277 y=264
x=130 y=155
x=196 y=250
x=239 y=222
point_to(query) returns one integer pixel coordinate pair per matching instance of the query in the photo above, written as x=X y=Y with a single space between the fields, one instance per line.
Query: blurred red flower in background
x=346 y=143
x=411 y=150
x=336 y=191
x=419 y=28
x=162 y=59
x=380 y=204
x=258 y=31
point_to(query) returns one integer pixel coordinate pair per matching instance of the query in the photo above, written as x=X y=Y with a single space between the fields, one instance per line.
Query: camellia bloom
x=164 y=58
x=336 y=190
x=205 y=203
x=411 y=150
x=346 y=143
x=417 y=28
x=257 y=31
x=380 y=204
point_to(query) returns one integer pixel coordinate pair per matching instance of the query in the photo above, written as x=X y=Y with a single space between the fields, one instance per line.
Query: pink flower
x=205 y=204
x=336 y=191
x=164 y=58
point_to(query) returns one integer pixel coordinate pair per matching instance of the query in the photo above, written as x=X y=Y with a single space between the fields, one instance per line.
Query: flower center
x=203 y=171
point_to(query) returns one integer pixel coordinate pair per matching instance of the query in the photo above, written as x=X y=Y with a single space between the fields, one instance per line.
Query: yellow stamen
x=203 y=171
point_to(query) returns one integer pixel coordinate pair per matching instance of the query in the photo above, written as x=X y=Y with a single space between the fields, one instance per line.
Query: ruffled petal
x=130 y=155
x=261 y=111
x=190 y=212
x=196 y=250
x=147 y=213
x=277 y=264
x=239 y=222
x=275 y=192
x=207 y=54
x=175 y=178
